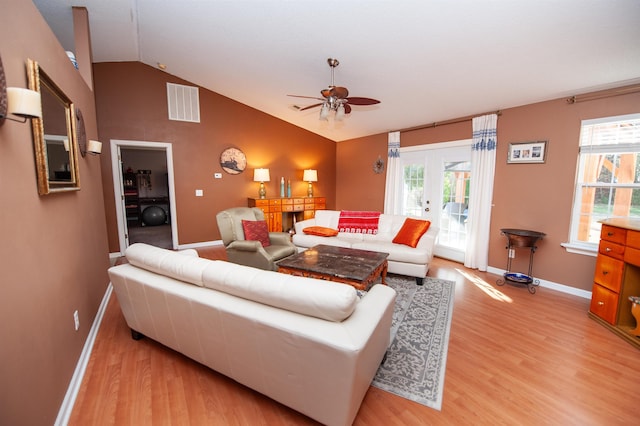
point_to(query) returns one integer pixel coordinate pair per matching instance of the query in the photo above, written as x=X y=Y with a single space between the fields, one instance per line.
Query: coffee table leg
x=384 y=272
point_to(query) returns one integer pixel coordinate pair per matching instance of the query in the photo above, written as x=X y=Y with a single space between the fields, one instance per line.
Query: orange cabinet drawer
x=258 y=203
x=633 y=239
x=604 y=303
x=320 y=200
x=613 y=234
x=287 y=207
x=611 y=249
x=298 y=207
x=309 y=207
x=287 y=201
x=277 y=202
x=298 y=201
x=320 y=206
x=609 y=272
x=632 y=256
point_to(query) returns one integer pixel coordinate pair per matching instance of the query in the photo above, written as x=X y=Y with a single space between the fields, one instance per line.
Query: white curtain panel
x=483 y=166
x=392 y=202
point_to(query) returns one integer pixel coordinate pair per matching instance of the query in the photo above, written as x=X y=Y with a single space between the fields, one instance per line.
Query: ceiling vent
x=184 y=103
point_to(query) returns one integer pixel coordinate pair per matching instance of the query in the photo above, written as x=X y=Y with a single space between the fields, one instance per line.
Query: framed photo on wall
x=527 y=152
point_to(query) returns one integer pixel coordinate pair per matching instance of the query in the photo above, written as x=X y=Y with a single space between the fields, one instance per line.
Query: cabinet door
x=609 y=272
x=604 y=303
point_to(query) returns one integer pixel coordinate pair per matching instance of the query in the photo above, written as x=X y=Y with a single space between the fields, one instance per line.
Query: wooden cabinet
x=131 y=198
x=617 y=276
x=280 y=213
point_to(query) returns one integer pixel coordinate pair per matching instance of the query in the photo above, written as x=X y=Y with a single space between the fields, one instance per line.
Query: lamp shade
x=261 y=175
x=23 y=102
x=310 y=175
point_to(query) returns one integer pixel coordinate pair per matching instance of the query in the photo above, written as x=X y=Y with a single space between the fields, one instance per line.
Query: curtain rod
x=604 y=94
x=444 y=123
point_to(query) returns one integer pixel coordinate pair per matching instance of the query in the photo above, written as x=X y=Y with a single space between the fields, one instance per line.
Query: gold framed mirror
x=54 y=136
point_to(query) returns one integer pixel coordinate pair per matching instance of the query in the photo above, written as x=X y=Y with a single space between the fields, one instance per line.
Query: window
x=608 y=179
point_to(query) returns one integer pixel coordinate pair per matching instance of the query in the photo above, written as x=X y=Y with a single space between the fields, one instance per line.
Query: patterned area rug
x=415 y=364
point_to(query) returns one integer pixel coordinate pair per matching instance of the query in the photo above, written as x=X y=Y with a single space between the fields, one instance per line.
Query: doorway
x=144 y=193
x=436 y=181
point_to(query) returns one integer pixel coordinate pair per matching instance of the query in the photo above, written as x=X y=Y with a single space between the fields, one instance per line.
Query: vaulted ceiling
x=426 y=61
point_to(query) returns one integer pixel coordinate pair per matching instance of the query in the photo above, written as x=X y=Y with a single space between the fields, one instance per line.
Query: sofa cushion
x=321 y=299
x=185 y=267
x=256 y=230
x=320 y=231
x=411 y=232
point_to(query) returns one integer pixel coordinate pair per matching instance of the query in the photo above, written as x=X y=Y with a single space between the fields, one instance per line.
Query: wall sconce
x=262 y=176
x=94 y=147
x=310 y=176
x=23 y=103
x=20 y=102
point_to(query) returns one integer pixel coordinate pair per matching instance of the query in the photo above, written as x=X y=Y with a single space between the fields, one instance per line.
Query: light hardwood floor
x=514 y=359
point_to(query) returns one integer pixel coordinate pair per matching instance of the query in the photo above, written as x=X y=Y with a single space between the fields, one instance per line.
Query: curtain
x=392 y=202
x=483 y=165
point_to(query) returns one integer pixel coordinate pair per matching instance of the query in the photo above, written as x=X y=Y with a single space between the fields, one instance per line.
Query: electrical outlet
x=199 y=192
x=76 y=320
x=512 y=253
x=217 y=175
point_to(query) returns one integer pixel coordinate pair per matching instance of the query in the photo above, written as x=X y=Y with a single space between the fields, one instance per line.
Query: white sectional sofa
x=312 y=345
x=403 y=259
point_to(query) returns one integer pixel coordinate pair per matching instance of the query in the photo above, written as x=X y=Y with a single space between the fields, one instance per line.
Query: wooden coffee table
x=359 y=268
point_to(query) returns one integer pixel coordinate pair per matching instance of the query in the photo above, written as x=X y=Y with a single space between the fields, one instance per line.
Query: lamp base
x=310 y=190
x=262 y=192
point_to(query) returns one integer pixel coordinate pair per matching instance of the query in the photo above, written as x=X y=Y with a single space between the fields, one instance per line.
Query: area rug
x=415 y=363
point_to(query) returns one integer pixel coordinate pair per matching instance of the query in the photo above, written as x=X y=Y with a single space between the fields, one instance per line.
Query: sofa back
x=307 y=296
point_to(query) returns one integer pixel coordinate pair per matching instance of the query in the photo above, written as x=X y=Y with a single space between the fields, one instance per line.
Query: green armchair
x=248 y=252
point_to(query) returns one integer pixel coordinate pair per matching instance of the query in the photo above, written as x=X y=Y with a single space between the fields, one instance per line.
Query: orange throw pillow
x=320 y=231
x=256 y=230
x=411 y=232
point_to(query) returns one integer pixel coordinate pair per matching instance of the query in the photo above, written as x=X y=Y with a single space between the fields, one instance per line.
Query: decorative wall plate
x=81 y=134
x=233 y=161
x=378 y=165
x=3 y=93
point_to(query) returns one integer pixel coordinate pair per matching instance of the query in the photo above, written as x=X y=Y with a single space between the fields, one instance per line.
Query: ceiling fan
x=335 y=98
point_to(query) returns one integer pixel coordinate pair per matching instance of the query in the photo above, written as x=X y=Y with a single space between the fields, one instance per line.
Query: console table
x=617 y=277
x=280 y=213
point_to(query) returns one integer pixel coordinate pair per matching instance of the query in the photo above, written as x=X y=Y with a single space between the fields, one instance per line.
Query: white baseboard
x=74 y=386
x=549 y=284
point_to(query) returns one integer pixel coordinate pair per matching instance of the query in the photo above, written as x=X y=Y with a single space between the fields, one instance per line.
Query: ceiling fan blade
x=310 y=106
x=347 y=108
x=362 y=101
x=306 y=97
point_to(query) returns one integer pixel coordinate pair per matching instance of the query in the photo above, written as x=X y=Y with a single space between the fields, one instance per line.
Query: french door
x=436 y=187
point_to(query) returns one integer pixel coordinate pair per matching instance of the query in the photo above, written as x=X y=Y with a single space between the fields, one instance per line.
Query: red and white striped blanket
x=359 y=222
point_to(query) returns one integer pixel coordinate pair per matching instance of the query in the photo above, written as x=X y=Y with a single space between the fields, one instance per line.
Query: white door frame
x=116 y=172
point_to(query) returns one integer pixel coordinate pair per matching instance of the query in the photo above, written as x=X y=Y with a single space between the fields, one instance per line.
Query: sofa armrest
x=245 y=245
x=304 y=224
x=280 y=238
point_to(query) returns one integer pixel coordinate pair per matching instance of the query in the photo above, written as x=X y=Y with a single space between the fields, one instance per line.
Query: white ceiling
x=425 y=60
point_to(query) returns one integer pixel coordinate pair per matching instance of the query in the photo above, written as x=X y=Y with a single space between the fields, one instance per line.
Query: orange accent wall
x=530 y=196
x=131 y=104
x=54 y=252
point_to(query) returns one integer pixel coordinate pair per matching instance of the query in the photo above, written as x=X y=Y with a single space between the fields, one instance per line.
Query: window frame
x=586 y=148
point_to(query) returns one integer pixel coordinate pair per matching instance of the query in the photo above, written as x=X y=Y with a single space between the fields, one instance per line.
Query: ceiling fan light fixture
x=340 y=113
x=324 y=112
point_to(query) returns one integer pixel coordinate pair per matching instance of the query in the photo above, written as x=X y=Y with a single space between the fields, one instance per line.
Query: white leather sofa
x=312 y=345
x=403 y=259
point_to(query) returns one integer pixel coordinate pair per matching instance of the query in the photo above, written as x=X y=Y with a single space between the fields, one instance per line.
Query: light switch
x=199 y=193
x=218 y=175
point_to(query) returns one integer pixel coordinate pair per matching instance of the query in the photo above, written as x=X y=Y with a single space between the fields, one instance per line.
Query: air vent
x=183 y=102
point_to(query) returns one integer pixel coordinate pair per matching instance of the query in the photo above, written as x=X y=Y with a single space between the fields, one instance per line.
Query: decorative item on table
x=289 y=188
x=635 y=311
x=310 y=176
x=282 y=187
x=262 y=176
